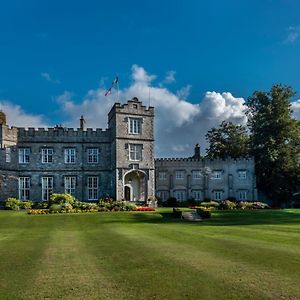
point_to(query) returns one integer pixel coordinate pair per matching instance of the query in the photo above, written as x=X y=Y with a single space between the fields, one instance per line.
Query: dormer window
x=134 y=125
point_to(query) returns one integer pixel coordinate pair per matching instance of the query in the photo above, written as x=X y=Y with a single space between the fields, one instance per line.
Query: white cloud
x=184 y=92
x=16 y=116
x=170 y=77
x=47 y=77
x=179 y=124
x=292 y=35
x=295 y=106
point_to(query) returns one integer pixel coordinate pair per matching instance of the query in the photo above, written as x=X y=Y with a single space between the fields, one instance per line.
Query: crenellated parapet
x=63 y=134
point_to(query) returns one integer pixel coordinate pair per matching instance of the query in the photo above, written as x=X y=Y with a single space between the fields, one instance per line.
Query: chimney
x=2 y=118
x=197 y=152
x=82 y=122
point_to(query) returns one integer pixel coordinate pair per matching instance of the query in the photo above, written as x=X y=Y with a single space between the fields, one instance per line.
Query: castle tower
x=2 y=118
x=132 y=126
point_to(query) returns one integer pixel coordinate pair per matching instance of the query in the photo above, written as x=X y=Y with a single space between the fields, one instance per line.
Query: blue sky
x=50 y=49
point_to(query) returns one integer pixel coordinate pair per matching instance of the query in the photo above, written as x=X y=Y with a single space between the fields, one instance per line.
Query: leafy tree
x=275 y=142
x=228 y=140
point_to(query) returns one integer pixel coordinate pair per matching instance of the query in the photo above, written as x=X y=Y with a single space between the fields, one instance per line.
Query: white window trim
x=92 y=158
x=217 y=174
x=198 y=173
x=46 y=153
x=134 y=126
x=177 y=177
x=162 y=175
x=24 y=155
x=136 y=150
x=47 y=186
x=242 y=174
x=70 y=185
x=93 y=187
x=70 y=153
x=24 y=188
x=218 y=195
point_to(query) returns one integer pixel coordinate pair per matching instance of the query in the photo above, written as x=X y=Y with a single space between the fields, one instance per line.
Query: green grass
x=234 y=255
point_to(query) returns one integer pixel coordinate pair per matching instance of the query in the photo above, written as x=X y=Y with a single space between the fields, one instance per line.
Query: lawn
x=145 y=255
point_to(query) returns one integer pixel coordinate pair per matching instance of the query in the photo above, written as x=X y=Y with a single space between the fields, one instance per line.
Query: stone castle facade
x=87 y=163
x=117 y=162
x=201 y=178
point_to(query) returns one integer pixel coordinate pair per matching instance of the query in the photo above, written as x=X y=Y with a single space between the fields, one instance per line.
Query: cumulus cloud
x=295 y=106
x=47 y=77
x=18 y=117
x=179 y=124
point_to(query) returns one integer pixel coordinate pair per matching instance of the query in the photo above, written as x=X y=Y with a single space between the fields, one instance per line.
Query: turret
x=2 y=118
x=197 y=152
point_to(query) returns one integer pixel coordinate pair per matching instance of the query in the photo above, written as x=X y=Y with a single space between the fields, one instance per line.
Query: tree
x=275 y=140
x=228 y=140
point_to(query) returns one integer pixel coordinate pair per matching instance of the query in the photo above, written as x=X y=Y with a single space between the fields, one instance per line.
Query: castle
x=117 y=162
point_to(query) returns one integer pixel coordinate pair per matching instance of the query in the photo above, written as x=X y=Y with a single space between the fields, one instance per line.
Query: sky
x=200 y=60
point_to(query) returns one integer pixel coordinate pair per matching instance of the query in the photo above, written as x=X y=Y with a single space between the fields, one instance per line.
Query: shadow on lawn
x=230 y=218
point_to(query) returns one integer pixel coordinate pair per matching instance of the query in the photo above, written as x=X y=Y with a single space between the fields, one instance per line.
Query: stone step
x=191 y=216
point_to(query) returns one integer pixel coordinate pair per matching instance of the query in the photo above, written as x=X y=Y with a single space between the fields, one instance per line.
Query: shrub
x=12 y=204
x=210 y=204
x=204 y=213
x=55 y=208
x=26 y=204
x=129 y=206
x=226 y=204
x=61 y=198
x=171 y=202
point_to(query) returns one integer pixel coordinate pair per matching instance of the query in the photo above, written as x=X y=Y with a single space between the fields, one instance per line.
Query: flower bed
x=141 y=208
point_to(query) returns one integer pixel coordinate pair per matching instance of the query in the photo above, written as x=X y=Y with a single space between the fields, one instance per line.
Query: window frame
x=69 y=157
x=195 y=172
x=70 y=187
x=46 y=155
x=162 y=175
x=244 y=176
x=24 y=155
x=24 y=188
x=47 y=189
x=92 y=188
x=135 y=150
x=134 y=126
x=177 y=172
x=92 y=158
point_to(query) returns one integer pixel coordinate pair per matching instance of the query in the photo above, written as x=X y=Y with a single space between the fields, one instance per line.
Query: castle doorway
x=135 y=186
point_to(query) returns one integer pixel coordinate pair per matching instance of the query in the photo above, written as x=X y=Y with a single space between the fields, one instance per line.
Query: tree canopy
x=275 y=142
x=227 y=140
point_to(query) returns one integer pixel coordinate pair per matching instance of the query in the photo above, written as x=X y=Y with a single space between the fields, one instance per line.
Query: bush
x=61 y=198
x=252 y=205
x=204 y=213
x=226 y=204
x=12 y=204
x=26 y=204
x=171 y=202
x=210 y=204
x=55 y=208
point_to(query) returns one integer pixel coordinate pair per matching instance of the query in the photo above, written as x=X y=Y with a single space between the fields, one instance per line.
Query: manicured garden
x=236 y=254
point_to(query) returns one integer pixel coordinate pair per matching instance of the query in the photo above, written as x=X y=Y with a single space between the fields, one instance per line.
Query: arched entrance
x=135 y=185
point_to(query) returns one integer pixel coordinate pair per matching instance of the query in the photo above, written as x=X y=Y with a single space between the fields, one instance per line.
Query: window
x=180 y=195
x=242 y=195
x=163 y=195
x=179 y=175
x=47 y=155
x=70 y=185
x=242 y=174
x=70 y=155
x=218 y=195
x=47 y=188
x=93 y=154
x=24 y=188
x=135 y=126
x=8 y=155
x=92 y=188
x=197 y=195
x=162 y=175
x=135 y=152
x=196 y=174
x=217 y=174
x=24 y=155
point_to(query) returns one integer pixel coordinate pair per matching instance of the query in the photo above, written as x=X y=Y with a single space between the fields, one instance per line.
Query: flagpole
x=118 y=91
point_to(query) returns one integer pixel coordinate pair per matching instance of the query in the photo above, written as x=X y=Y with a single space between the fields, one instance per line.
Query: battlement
x=62 y=134
x=205 y=160
x=133 y=106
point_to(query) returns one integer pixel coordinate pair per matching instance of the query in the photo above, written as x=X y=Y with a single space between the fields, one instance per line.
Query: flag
x=115 y=81
x=108 y=92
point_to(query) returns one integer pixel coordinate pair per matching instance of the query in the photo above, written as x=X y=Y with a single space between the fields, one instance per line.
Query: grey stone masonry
x=202 y=178
x=88 y=163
